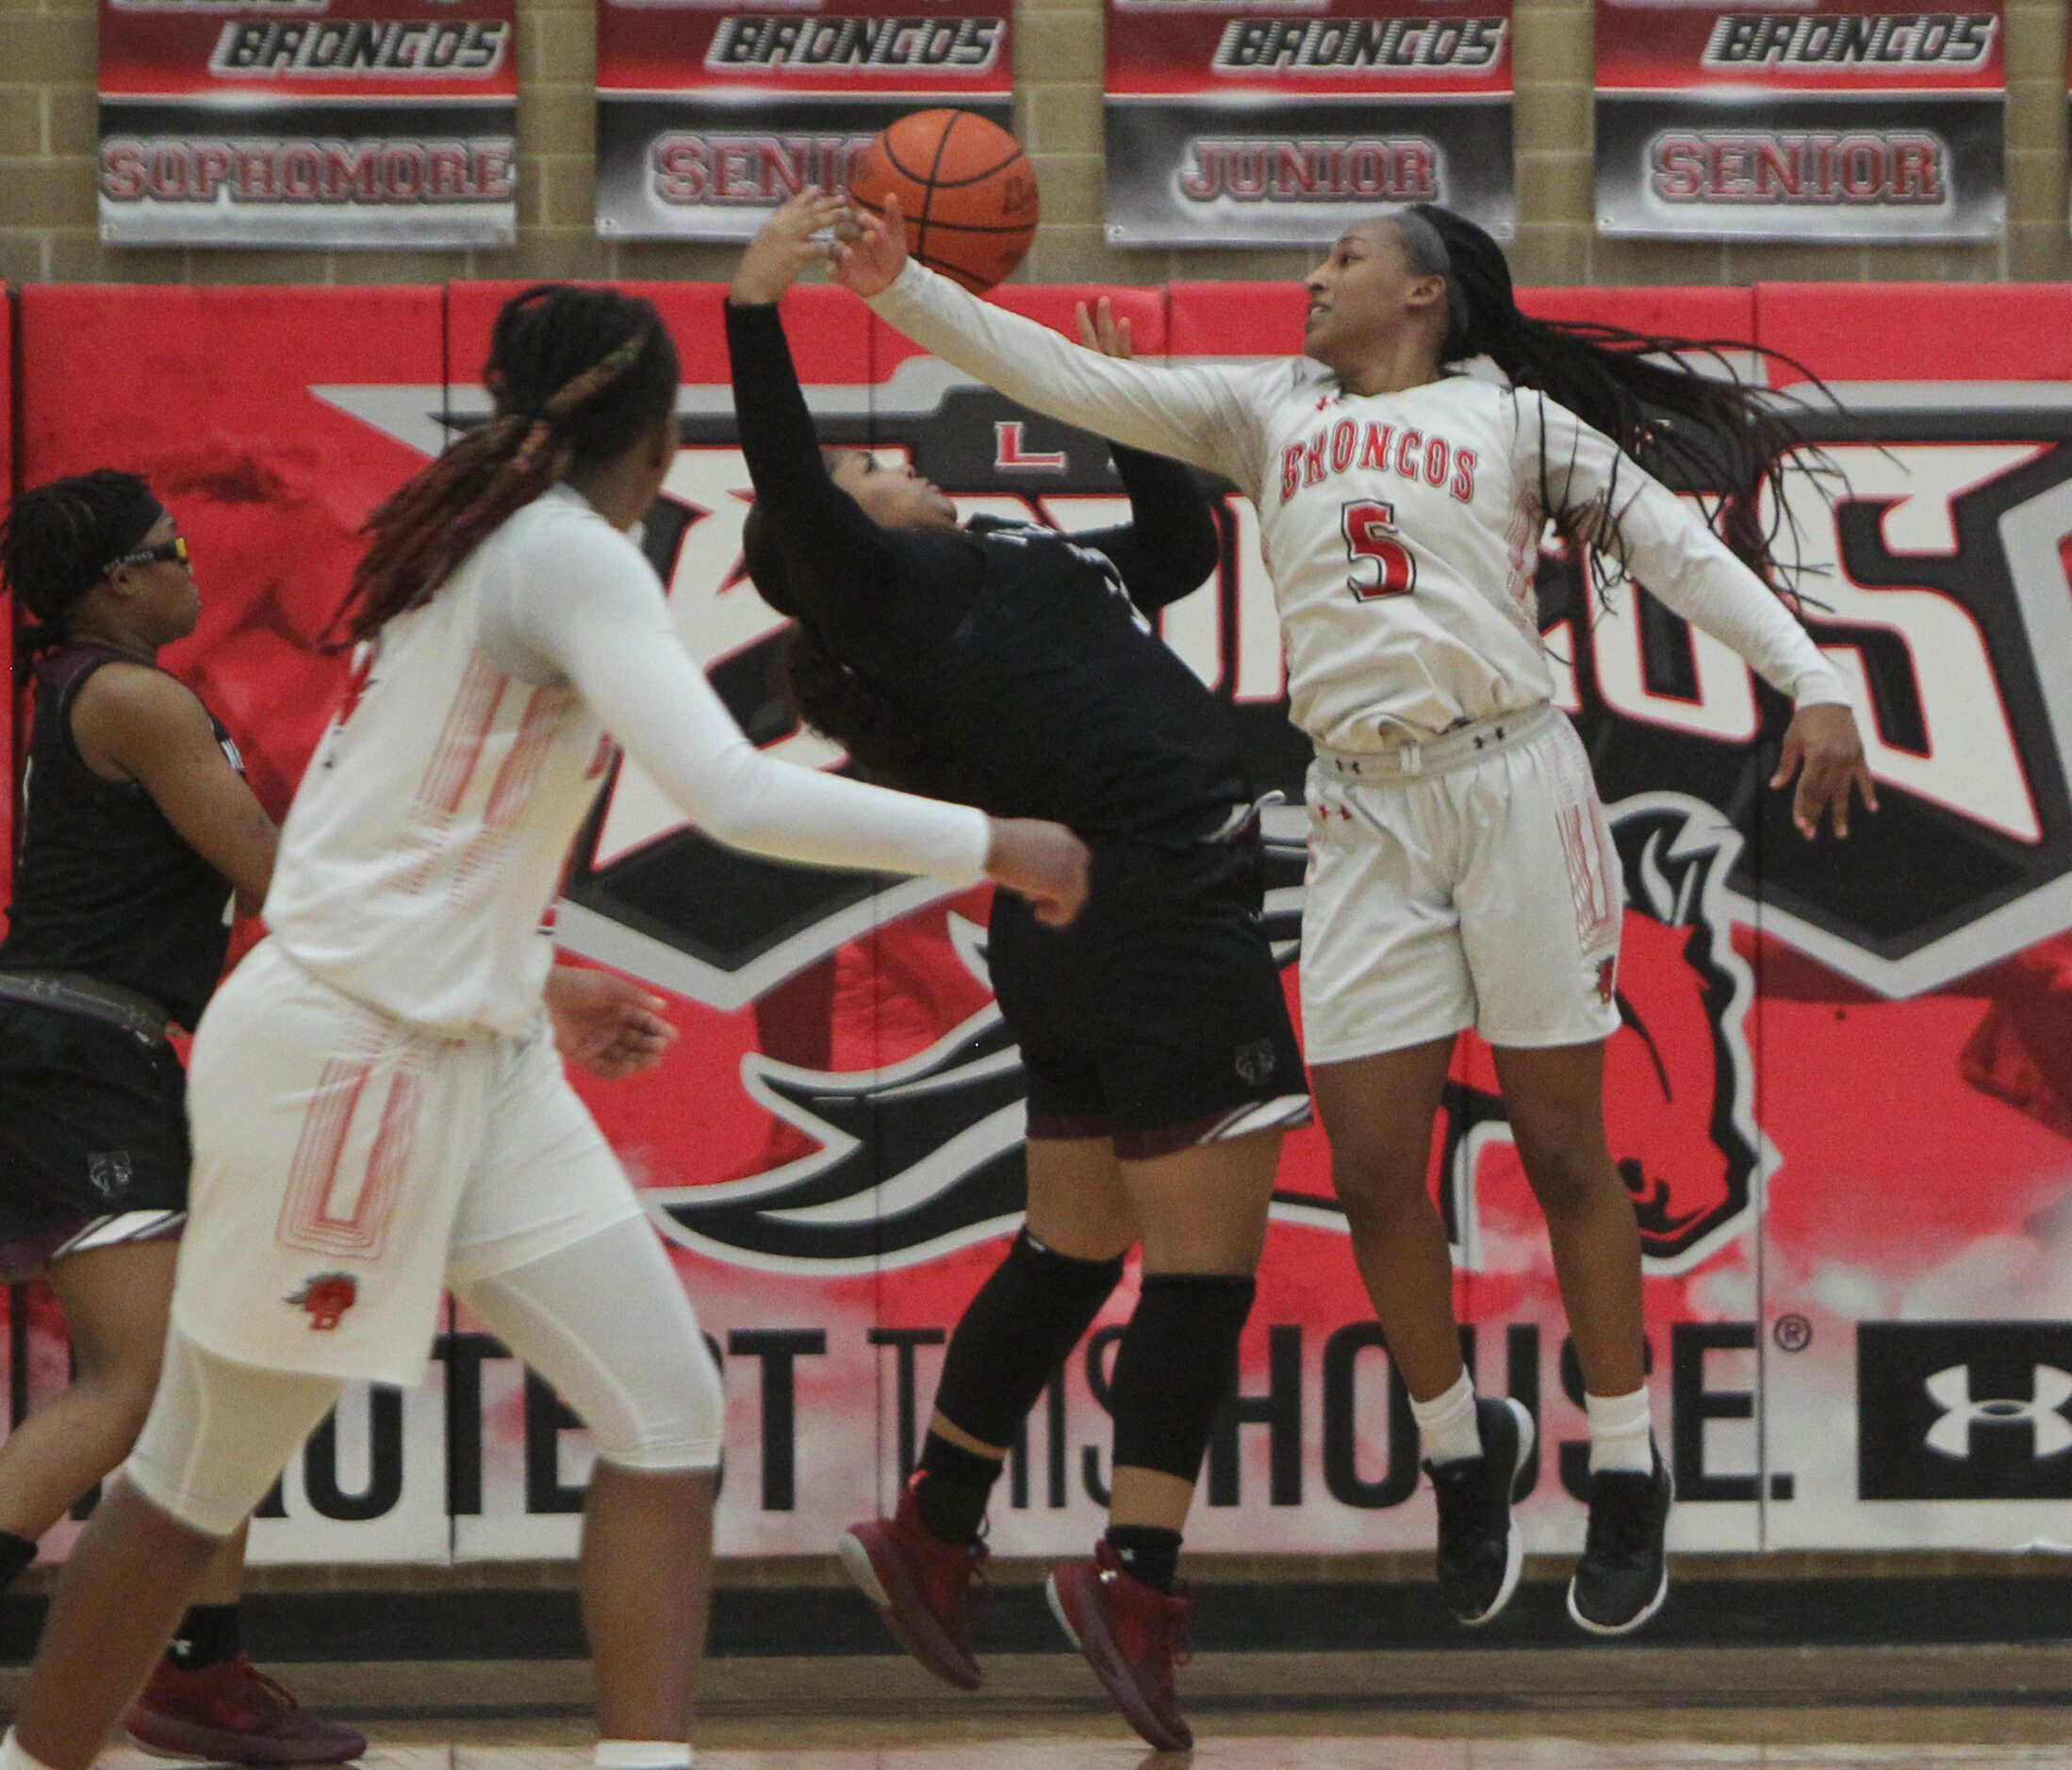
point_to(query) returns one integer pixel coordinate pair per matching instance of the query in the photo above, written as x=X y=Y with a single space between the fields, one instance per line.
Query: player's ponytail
x=578 y=376
x=58 y=539
x=1677 y=405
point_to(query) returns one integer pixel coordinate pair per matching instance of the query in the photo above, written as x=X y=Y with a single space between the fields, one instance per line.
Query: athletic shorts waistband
x=70 y=992
x=1430 y=756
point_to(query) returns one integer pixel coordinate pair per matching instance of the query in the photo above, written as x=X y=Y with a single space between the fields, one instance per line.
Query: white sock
x=13 y=1758
x=632 y=1754
x=1620 y=1435
x=1446 y=1424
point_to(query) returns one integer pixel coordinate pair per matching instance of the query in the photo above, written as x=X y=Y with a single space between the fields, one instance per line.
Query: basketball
x=965 y=188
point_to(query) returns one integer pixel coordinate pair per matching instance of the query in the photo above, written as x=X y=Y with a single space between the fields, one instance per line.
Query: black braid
x=59 y=538
x=1714 y=434
x=579 y=375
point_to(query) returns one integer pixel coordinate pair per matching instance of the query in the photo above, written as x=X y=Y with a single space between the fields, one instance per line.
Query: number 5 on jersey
x=1381 y=565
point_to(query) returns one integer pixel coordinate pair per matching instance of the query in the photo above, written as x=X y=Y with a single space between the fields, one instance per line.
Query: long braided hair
x=578 y=376
x=59 y=538
x=1709 y=433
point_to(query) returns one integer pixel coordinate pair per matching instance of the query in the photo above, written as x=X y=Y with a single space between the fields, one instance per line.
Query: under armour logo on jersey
x=2049 y=1390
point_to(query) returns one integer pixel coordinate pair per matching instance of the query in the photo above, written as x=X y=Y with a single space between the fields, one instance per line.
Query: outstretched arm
x=836 y=556
x=1203 y=415
x=1673 y=551
x=593 y=611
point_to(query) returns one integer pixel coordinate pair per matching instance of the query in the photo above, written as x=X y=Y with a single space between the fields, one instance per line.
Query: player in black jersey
x=138 y=831
x=1018 y=668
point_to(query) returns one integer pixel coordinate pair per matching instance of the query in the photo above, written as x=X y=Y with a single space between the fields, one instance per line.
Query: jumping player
x=1018 y=668
x=378 y=1106
x=1462 y=874
x=139 y=833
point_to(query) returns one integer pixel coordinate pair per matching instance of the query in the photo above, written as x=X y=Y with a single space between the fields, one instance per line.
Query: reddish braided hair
x=579 y=376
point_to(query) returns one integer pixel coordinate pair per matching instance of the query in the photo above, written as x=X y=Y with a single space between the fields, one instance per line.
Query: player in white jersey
x=378 y=1106
x=1462 y=872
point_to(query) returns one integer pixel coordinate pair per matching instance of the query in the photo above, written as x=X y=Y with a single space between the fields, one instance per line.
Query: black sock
x=208 y=1634
x=1147 y=1553
x=16 y=1552
x=1177 y=1362
x=954 y=1487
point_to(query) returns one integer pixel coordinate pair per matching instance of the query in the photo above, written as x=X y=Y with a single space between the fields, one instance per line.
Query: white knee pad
x=218 y=1433
x=605 y=1321
x=680 y=1419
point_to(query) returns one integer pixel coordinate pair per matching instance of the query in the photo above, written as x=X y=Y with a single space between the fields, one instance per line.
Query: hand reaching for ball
x=785 y=246
x=870 y=251
x=1100 y=330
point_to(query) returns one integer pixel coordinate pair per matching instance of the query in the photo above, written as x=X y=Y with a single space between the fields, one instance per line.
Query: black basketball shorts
x=94 y=1145
x=1157 y=1018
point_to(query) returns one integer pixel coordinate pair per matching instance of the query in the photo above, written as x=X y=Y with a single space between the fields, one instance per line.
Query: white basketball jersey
x=1401 y=530
x=428 y=838
x=1401 y=536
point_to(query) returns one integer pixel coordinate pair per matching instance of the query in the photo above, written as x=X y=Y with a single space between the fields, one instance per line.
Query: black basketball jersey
x=1052 y=687
x=1031 y=654
x=104 y=884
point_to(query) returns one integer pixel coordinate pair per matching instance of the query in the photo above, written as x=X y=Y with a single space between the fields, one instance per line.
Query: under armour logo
x=1950 y=1390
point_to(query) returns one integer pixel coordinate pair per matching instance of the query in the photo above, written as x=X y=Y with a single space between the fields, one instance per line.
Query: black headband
x=1429 y=252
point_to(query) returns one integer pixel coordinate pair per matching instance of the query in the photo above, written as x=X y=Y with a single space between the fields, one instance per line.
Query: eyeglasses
x=167 y=550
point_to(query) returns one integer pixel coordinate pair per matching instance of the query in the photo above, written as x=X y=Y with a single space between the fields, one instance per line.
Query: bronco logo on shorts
x=327 y=1297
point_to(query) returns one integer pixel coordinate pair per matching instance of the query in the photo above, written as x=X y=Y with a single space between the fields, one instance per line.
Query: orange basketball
x=965 y=188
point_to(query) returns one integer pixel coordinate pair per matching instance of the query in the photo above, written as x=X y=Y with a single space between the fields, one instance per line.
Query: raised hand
x=871 y=251
x=1824 y=749
x=1100 y=330
x=605 y=1023
x=785 y=246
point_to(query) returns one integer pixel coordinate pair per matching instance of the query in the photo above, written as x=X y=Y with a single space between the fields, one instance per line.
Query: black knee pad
x=1016 y=1334
x=1177 y=1363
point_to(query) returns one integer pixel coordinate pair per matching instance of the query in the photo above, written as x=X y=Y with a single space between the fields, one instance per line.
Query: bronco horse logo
x=925 y=1157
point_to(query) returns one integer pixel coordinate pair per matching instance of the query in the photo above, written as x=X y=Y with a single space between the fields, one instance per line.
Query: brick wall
x=47 y=223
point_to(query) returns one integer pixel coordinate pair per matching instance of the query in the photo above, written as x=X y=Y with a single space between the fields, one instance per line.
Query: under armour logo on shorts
x=109 y=1172
x=1256 y=1061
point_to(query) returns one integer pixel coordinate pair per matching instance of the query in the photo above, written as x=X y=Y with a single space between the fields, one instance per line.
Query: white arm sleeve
x=1205 y=416
x=584 y=601
x=1669 y=549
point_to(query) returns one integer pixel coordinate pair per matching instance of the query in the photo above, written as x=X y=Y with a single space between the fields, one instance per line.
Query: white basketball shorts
x=1480 y=889
x=348 y=1166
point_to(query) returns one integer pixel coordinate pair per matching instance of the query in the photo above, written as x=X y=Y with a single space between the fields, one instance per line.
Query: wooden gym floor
x=1632 y=1708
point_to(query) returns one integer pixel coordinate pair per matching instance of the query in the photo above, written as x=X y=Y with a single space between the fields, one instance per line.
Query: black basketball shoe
x=1481 y=1552
x=1624 y=1574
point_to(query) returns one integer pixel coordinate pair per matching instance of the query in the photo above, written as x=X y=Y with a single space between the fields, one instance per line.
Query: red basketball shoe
x=233 y=1712
x=921 y=1585
x=1132 y=1635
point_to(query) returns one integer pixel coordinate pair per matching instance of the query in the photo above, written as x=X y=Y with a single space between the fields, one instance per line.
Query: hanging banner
x=308 y=122
x=1856 y=122
x=709 y=115
x=1229 y=125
